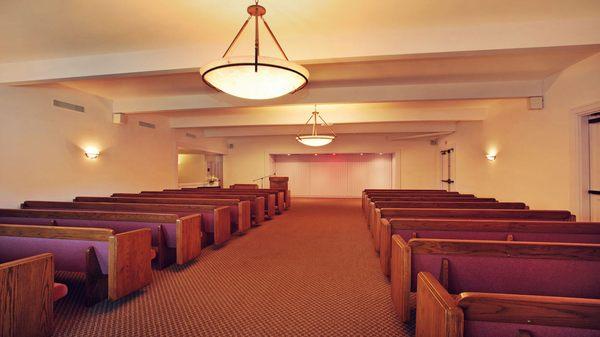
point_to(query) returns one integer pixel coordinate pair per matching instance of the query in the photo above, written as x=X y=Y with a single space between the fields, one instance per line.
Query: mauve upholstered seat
x=493 y=329
x=526 y=276
x=169 y=229
x=69 y=255
x=59 y=291
x=406 y=234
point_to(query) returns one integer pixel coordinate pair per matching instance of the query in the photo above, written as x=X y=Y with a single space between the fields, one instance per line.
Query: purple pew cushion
x=493 y=329
x=59 y=291
x=69 y=255
x=118 y=226
x=513 y=275
x=501 y=236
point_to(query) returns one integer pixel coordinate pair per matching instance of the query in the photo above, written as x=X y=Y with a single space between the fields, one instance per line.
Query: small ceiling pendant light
x=314 y=139
x=255 y=77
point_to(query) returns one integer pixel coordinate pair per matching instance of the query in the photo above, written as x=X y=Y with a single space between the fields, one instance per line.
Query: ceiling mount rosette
x=315 y=139
x=255 y=77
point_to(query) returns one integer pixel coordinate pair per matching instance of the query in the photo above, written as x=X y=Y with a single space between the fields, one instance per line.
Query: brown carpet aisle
x=309 y=272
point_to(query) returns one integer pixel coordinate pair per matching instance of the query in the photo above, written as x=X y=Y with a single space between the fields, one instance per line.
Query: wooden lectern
x=281 y=183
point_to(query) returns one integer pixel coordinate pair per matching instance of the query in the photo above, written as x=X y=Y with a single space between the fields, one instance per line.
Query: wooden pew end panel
x=385 y=247
x=438 y=314
x=26 y=295
x=189 y=238
x=130 y=256
x=400 y=271
x=222 y=226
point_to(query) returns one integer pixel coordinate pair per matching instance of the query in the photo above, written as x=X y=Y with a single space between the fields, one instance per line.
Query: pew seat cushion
x=495 y=329
x=59 y=291
x=513 y=276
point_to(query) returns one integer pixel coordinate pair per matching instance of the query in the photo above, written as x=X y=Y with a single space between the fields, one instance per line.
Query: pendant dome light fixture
x=315 y=139
x=255 y=77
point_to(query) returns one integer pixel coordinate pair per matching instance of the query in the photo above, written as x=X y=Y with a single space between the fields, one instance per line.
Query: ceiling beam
x=347 y=94
x=332 y=113
x=274 y=130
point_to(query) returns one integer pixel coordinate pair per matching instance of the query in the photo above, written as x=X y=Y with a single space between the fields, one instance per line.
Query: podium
x=281 y=183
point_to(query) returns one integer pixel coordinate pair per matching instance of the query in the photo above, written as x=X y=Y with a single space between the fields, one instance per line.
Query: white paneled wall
x=342 y=175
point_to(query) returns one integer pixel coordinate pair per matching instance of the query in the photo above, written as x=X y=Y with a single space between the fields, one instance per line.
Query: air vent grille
x=68 y=106
x=147 y=125
x=190 y=135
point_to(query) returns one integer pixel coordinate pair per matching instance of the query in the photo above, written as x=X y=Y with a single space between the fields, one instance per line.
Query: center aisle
x=309 y=272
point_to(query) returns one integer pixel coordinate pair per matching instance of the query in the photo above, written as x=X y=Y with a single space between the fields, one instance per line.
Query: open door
x=594 y=148
x=447 y=168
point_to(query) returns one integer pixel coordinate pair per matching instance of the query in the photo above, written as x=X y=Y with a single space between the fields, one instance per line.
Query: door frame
x=580 y=159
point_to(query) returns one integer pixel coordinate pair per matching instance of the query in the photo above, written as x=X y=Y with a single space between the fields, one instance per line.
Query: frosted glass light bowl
x=318 y=140
x=237 y=76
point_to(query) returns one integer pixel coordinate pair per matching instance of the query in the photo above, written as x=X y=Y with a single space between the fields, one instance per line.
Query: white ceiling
x=385 y=66
x=34 y=29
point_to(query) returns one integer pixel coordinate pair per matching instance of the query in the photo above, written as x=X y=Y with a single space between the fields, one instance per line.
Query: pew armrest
x=245 y=219
x=438 y=314
x=222 y=225
x=571 y=312
x=189 y=238
x=400 y=277
x=26 y=294
x=385 y=246
x=129 y=262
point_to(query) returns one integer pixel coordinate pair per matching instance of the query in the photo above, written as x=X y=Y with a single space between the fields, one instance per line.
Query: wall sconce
x=91 y=152
x=490 y=157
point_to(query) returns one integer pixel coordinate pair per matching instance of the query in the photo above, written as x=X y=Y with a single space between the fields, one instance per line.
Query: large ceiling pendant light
x=255 y=77
x=315 y=139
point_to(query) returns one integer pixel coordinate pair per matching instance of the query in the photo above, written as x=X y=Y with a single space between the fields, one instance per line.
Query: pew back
x=168 y=231
x=511 y=286
x=124 y=258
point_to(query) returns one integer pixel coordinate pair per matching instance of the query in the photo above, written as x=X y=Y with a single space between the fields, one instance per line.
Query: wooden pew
x=279 y=196
x=215 y=220
x=424 y=194
x=375 y=225
x=240 y=209
x=244 y=186
x=509 y=230
x=268 y=204
x=115 y=265
x=175 y=239
x=455 y=198
x=385 y=240
x=27 y=292
x=256 y=210
x=499 y=288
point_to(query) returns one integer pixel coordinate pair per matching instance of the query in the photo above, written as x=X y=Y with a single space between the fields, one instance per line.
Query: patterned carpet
x=309 y=272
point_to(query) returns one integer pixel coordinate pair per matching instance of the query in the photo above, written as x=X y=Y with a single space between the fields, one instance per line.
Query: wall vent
x=190 y=135
x=230 y=146
x=147 y=125
x=68 y=106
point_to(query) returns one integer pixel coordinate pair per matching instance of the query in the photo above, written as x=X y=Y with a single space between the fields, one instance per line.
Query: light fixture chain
x=256 y=47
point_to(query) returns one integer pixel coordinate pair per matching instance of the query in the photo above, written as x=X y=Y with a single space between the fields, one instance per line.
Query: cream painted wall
x=535 y=154
x=42 y=148
x=414 y=162
x=191 y=168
